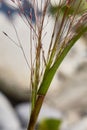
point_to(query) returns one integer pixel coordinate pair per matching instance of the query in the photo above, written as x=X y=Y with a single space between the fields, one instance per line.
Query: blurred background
x=67 y=96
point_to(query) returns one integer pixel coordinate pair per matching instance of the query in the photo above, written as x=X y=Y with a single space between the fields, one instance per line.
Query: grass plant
x=70 y=23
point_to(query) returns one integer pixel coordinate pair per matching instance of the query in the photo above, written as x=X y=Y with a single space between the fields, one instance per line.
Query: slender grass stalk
x=35 y=112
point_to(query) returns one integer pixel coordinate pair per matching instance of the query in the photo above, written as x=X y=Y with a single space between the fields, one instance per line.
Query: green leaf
x=50 y=124
x=73 y=7
x=83 y=5
x=60 y=9
x=49 y=74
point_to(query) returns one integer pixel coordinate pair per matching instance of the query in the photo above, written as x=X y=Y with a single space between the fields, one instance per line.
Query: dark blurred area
x=25 y=9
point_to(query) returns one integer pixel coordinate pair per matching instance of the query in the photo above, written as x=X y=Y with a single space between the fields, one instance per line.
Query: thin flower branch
x=11 y=39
